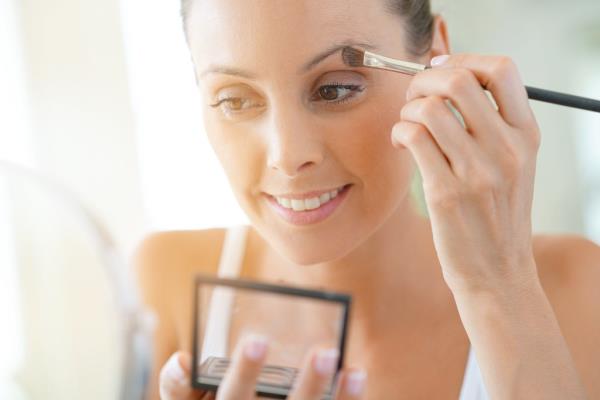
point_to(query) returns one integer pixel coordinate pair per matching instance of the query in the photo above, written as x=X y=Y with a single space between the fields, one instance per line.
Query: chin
x=306 y=250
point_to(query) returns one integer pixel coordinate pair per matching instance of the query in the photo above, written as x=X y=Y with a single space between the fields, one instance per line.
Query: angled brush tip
x=353 y=57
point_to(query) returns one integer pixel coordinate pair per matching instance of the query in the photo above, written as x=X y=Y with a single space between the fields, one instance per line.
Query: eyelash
x=353 y=88
x=224 y=100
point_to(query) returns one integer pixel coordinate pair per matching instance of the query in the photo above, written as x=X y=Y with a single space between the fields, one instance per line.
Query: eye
x=236 y=104
x=335 y=93
x=239 y=101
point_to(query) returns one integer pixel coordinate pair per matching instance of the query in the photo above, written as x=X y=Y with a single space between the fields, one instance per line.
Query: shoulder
x=569 y=270
x=163 y=260
x=567 y=261
x=165 y=255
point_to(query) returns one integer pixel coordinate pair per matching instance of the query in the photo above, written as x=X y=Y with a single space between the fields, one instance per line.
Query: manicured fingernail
x=355 y=382
x=256 y=347
x=439 y=60
x=397 y=139
x=326 y=361
x=175 y=370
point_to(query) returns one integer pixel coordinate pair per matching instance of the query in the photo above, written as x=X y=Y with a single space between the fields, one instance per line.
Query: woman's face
x=288 y=119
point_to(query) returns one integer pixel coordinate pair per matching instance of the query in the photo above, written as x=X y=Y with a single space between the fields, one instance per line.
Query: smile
x=310 y=207
x=311 y=203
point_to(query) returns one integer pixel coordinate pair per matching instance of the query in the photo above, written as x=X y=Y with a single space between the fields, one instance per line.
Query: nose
x=294 y=145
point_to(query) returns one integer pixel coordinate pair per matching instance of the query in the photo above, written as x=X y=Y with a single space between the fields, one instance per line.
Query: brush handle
x=563 y=99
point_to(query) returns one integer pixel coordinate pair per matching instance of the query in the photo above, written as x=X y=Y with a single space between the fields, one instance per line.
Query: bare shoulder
x=567 y=262
x=165 y=264
x=569 y=270
x=165 y=256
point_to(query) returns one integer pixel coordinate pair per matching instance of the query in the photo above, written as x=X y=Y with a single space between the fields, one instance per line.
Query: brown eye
x=336 y=93
x=239 y=101
x=235 y=104
x=328 y=92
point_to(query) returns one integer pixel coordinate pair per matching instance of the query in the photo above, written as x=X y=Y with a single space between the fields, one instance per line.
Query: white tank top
x=230 y=264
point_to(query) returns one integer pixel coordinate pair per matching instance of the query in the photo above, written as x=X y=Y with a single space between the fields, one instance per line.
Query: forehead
x=257 y=34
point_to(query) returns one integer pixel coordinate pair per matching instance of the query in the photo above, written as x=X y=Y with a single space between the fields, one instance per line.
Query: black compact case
x=293 y=319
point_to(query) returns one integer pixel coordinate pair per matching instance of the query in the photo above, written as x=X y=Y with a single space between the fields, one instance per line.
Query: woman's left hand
x=478 y=180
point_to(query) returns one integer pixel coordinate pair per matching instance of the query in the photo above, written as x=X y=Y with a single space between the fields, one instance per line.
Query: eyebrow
x=332 y=50
x=313 y=62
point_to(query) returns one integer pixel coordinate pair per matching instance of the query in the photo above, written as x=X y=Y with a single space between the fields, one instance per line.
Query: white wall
x=80 y=111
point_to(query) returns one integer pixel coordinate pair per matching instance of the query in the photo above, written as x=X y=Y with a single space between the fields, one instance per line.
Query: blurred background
x=99 y=96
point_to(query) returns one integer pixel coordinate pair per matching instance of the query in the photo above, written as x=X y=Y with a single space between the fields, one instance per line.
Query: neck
x=395 y=264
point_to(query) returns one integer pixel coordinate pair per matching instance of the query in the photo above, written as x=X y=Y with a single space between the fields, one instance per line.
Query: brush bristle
x=353 y=57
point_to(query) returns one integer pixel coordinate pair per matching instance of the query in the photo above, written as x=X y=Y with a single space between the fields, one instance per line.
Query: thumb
x=175 y=379
x=185 y=361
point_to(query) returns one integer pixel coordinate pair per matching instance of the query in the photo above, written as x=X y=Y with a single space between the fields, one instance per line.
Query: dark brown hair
x=416 y=15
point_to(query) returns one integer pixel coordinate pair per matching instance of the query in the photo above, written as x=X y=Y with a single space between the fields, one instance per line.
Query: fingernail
x=326 y=361
x=175 y=369
x=255 y=347
x=355 y=382
x=439 y=60
x=396 y=139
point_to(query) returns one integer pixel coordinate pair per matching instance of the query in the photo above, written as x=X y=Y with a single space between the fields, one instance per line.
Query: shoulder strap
x=232 y=253
x=219 y=312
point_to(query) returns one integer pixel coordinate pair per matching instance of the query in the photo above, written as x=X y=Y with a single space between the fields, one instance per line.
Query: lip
x=308 y=217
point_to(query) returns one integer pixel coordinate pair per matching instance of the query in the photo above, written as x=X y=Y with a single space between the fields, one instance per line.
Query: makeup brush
x=360 y=58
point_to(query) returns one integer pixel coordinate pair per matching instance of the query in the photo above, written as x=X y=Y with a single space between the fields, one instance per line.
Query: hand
x=478 y=180
x=239 y=382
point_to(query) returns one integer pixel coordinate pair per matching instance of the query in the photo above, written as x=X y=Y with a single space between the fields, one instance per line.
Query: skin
x=473 y=272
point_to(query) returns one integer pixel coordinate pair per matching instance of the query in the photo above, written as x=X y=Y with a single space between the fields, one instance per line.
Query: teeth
x=312 y=203
x=284 y=202
x=307 y=204
x=298 y=205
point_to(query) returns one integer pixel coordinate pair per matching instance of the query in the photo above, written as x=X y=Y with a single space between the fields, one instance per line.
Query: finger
x=461 y=86
x=499 y=75
x=433 y=112
x=351 y=385
x=316 y=376
x=239 y=382
x=175 y=379
x=433 y=164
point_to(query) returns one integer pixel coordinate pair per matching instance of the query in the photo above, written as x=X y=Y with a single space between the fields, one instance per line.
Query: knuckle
x=504 y=67
x=459 y=80
x=422 y=108
x=515 y=160
x=415 y=134
x=431 y=107
x=535 y=138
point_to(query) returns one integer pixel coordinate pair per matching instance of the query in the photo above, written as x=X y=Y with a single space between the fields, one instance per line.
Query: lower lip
x=308 y=217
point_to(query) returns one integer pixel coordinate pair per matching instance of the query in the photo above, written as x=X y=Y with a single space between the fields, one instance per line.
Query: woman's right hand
x=239 y=382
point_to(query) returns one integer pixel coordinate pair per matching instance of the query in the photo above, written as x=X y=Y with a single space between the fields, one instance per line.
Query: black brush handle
x=563 y=99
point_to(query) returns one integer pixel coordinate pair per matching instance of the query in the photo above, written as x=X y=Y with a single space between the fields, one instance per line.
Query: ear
x=440 y=43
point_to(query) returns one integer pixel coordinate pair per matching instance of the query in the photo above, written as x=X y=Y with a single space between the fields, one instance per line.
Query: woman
x=291 y=123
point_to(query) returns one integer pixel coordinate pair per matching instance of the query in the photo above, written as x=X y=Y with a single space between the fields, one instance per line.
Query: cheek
x=367 y=153
x=240 y=158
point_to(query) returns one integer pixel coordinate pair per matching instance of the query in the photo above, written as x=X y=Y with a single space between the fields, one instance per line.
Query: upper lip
x=306 y=195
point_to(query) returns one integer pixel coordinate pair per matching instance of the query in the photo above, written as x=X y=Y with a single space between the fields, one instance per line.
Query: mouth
x=308 y=208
